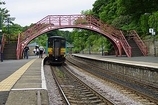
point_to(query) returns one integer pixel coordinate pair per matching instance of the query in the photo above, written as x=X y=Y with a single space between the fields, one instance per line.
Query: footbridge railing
x=52 y=22
x=139 y=42
x=112 y=31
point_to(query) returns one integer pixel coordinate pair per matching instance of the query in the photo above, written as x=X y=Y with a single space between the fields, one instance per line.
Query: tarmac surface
x=147 y=61
x=8 y=67
x=138 y=59
x=23 y=82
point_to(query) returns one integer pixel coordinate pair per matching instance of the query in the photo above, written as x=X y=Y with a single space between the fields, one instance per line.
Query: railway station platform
x=144 y=61
x=143 y=69
x=22 y=82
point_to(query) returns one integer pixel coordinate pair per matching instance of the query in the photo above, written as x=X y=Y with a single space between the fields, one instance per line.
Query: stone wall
x=150 y=46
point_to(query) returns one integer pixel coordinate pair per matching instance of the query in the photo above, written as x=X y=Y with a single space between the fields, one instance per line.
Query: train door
x=56 y=48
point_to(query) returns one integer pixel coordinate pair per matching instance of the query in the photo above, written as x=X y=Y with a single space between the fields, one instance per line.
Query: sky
x=26 y=12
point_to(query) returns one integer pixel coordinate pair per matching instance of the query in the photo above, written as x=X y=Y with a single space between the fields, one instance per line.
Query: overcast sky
x=31 y=11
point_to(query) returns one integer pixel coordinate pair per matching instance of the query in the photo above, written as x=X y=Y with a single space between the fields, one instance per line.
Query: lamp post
x=153 y=31
x=1 y=37
x=89 y=44
x=0 y=27
x=102 y=49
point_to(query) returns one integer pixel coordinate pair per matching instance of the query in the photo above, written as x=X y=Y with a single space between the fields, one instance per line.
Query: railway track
x=74 y=91
x=141 y=89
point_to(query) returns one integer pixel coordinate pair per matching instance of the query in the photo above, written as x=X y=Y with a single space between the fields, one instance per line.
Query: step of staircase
x=135 y=49
x=9 y=51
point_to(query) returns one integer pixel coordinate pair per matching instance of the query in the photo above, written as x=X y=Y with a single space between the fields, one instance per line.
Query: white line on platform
x=43 y=76
x=28 y=89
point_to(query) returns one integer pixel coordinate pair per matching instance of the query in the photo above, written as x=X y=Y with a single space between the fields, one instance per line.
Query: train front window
x=50 y=42
x=57 y=44
x=62 y=43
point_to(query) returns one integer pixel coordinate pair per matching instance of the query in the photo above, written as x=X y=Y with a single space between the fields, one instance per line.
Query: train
x=56 y=51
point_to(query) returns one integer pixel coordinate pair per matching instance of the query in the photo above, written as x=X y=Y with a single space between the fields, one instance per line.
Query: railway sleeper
x=96 y=101
x=89 y=95
x=92 y=98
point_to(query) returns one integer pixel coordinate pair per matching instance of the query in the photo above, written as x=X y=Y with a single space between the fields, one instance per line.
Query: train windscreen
x=56 y=48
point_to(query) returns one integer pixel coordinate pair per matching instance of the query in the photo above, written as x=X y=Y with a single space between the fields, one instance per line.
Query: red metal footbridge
x=53 y=22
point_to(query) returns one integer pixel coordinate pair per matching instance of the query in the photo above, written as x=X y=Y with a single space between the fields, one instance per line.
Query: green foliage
x=41 y=40
x=153 y=20
x=84 y=40
x=122 y=14
x=4 y=13
x=128 y=14
x=108 y=12
x=87 y=12
x=121 y=21
x=98 y=7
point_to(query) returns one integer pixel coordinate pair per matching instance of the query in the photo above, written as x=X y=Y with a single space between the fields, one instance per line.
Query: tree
x=4 y=13
x=126 y=14
x=87 y=12
x=7 y=24
x=14 y=31
x=98 y=6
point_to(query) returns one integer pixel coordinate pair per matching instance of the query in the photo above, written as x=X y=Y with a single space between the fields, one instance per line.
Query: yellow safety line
x=8 y=83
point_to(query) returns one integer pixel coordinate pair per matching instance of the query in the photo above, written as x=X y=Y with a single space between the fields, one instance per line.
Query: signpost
x=1 y=38
x=153 y=33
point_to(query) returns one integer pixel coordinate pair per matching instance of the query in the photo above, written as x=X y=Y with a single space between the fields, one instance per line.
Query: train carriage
x=56 y=50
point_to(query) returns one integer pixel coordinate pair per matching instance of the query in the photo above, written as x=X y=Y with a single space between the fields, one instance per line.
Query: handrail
x=85 y=21
x=139 y=42
x=23 y=36
x=3 y=43
x=125 y=45
x=32 y=31
x=18 y=48
x=3 y=40
x=114 y=32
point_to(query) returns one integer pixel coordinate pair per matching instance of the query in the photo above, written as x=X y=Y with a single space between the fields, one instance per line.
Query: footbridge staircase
x=52 y=22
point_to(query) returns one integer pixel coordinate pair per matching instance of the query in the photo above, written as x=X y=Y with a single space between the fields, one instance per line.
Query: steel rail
x=108 y=102
x=61 y=90
x=155 y=100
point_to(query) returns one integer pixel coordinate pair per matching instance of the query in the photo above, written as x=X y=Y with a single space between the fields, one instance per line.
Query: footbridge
x=53 y=22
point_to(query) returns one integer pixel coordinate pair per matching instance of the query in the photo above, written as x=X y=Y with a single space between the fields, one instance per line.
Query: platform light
x=151 y=30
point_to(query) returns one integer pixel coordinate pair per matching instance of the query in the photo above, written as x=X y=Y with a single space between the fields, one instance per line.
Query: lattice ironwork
x=52 y=22
x=139 y=42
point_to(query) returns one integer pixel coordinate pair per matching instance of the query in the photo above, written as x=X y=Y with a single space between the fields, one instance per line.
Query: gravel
x=53 y=93
x=108 y=90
